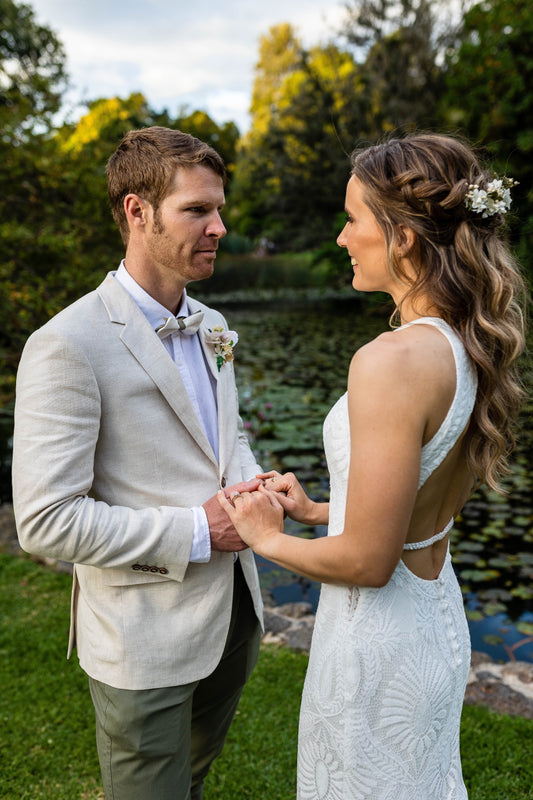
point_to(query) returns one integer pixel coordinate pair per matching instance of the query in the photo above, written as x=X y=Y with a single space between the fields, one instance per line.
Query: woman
x=425 y=417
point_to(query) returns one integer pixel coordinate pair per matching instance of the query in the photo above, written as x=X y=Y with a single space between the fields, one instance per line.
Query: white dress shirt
x=186 y=352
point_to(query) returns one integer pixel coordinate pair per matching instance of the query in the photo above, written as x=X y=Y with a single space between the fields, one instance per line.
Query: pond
x=292 y=362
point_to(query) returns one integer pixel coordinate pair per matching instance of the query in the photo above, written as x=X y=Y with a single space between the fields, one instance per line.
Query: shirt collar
x=154 y=312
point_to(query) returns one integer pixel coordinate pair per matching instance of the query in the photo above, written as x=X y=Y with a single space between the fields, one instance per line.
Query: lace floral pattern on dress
x=387 y=672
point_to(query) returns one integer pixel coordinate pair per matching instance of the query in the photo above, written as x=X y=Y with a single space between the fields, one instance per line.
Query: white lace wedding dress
x=387 y=673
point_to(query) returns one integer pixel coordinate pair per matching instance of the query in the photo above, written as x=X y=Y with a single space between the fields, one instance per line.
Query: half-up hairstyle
x=463 y=265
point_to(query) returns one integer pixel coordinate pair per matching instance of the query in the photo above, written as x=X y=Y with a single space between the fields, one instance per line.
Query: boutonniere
x=223 y=343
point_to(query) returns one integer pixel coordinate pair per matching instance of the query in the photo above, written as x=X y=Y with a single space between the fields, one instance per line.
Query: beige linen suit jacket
x=109 y=457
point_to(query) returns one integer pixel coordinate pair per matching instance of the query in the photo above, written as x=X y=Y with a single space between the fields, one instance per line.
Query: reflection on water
x=292 y=363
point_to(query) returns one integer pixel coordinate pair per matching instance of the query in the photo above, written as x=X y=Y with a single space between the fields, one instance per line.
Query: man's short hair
x=145 y=163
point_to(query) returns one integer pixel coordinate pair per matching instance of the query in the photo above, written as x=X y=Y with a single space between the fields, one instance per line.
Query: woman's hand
x=257 y=516
x=291 y=496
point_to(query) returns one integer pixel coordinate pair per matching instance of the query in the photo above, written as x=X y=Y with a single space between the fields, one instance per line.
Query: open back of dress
x=388 y=667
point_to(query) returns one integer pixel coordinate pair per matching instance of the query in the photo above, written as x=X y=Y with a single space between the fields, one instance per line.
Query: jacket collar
x=139 y=337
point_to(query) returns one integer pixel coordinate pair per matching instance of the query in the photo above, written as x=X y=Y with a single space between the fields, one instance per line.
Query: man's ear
x=405 y=240
x=136 y=210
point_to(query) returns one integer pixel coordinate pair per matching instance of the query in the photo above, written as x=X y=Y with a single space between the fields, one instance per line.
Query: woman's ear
x=405 y=240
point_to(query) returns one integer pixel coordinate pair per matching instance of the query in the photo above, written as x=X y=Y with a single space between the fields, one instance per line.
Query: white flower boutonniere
x=223 y=343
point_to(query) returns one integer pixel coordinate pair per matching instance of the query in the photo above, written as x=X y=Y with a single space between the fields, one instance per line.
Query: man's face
x=184 y=232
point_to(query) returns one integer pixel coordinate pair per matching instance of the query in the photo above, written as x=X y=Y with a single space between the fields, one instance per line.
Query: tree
x=256 y=182
x=32 y=78
x=85 y=147
x=310 y=108
x=291 y=170
x=59 y=237
x=223 y=138
x=492 y=66
x=400 y=45
x=32 y=72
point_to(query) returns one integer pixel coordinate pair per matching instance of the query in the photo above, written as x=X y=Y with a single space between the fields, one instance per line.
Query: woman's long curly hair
x=463 y=266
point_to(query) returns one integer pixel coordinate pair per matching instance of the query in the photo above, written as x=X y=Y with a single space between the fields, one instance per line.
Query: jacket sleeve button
x=136 y=566
x=163 y=571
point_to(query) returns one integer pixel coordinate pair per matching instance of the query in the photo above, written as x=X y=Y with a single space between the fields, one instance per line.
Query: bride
x=426 y=416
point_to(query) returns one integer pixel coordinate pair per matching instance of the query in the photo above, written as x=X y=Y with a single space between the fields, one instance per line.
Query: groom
x=126 y=426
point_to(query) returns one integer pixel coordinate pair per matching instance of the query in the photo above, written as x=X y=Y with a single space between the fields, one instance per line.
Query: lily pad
x=479 y=576
x=524 y=592
x=491 y=609
x=525 y=627
x=492 y=639
x=500 y=562
x=523 y=522
x=475 y=547
x=495 y=595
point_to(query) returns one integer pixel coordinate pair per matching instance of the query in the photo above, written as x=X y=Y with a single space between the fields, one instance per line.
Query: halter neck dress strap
x=435 y=451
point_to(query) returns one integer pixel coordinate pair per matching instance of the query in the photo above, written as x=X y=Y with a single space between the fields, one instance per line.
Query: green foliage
x=399 y=46
x=98 y=131
x=288 y=173
x=252 y=272
x=492 y=66
x=311 y=107
x=292 y=167
x=47 y=744
x=32 y=72
x=57 y=234
x=409 y=65
x=223 y=137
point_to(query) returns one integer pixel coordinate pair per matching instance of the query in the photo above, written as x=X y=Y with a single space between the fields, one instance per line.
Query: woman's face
x=365 y=241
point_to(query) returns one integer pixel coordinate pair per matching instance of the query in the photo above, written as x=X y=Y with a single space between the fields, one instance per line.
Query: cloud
x=200 y=54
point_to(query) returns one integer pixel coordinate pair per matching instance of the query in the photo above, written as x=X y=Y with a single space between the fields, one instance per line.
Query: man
x=126 y=426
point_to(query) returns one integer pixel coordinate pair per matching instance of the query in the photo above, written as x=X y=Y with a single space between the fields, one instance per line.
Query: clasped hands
x=256 y=509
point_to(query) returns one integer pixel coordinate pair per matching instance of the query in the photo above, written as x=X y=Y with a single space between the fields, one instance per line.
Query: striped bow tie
x=186 y=325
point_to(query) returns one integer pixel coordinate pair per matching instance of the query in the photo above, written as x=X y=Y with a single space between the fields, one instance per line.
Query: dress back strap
x=429 y=542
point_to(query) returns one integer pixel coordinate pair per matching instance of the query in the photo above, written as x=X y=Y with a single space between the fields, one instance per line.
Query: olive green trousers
x=158 y=744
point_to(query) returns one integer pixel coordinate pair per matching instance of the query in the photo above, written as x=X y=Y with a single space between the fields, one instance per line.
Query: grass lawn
x=47 y=749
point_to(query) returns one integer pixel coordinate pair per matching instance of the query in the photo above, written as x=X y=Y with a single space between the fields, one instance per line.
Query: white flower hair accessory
x=494 y=199
x=223 y=343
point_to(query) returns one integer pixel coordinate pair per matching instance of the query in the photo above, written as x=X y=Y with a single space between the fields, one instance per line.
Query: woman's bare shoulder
x=410 y=369
x=406 y=352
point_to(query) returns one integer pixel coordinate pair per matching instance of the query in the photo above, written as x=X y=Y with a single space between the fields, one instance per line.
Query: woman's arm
x=388 y=412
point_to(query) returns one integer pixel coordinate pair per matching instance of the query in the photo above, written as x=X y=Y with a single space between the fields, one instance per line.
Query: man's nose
x=216 y=227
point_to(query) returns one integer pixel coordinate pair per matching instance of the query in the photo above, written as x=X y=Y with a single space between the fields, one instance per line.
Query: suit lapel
x=137 y=335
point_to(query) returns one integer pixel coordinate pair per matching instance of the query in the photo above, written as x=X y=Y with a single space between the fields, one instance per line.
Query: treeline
x=396 y=65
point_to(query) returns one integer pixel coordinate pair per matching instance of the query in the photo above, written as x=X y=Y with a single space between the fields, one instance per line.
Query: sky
x=198 y=54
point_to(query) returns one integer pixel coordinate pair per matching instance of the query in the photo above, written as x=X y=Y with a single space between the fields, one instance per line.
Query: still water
x=292 y=362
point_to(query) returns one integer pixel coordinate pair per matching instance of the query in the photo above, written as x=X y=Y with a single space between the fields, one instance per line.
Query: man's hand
x=223 y=535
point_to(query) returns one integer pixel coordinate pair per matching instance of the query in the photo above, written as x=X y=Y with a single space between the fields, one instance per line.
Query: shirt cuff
x=201 y=540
